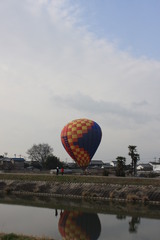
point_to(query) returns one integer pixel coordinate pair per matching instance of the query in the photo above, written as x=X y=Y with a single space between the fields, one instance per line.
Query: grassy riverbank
x=81 y=179
x=13 y=236
x=127 y=190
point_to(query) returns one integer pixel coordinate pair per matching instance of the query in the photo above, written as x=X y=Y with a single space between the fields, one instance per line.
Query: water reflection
x=133 y=223
x=86 y=220
x=79 y=225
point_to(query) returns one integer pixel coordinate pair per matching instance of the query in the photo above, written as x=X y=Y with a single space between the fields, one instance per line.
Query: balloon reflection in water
x=81 y=138
x=75 y=225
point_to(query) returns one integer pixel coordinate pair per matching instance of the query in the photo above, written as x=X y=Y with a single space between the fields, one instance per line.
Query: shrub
x=105 y=172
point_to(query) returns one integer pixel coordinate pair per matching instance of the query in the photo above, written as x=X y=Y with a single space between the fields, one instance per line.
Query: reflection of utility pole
x=56 y=212
x=133 y=224
x=155 y=159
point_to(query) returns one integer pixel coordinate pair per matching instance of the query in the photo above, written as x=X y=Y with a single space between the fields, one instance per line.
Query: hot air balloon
x=78 y=225
x=81 y=138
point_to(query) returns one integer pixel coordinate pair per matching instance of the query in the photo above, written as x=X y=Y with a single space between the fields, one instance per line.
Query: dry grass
x=81 y=179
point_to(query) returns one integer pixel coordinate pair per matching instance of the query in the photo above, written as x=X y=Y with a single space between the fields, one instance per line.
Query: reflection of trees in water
x=78 y=225
x=120 y=217
x=133 y=224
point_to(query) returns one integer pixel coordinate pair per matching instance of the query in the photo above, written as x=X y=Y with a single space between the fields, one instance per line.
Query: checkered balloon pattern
x=76 y=225
x=81 y=139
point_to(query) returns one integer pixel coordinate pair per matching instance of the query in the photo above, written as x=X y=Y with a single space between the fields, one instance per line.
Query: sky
x=62 y=60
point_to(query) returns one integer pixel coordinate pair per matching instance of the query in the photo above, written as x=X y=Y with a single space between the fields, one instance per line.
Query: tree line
x=135 y=157
x=42 y=155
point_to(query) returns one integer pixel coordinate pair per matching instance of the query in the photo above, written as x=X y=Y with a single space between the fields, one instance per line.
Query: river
x=44 y=218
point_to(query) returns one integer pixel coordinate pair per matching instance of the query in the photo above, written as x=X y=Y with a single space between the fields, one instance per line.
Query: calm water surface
x=64 y=224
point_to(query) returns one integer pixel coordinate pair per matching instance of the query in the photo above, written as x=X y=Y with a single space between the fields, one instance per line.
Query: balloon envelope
x=78 y=225
x=81 y=138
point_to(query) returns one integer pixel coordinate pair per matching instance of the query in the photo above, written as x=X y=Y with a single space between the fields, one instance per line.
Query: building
x=156 y=166
x=96 y=163
x=106 y=165
x=71 y=165
x=18 y=163
x=145 y=167
x=5 y=163
x=113 y=163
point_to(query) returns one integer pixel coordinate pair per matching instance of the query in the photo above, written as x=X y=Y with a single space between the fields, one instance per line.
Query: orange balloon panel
x=81 y=139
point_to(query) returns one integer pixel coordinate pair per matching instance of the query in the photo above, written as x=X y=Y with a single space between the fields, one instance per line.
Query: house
x=144 y=167
x=113 y=163
x=156 y=166
x=71 y=165
x=106 y=165
x=18 y=163
x=96 y=163
x=5 y=163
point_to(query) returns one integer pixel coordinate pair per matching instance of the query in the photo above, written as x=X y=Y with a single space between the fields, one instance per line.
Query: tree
x=37 y=165
x=40 y=153
x=120 y=170
x=53 y=162
x=134 y=156
x=133 y=224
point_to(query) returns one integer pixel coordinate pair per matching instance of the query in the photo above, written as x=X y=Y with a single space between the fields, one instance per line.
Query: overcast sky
x=66 y=59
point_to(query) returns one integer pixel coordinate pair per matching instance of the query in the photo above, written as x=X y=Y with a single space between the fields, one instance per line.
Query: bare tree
x=134 y=156
x=40 y=152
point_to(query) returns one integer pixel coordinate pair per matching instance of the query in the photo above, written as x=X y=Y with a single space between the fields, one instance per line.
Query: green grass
x=81 y=179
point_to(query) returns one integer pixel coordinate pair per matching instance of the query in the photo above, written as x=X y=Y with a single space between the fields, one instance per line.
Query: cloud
x=86 y=104
x=140 y=104
x=52 y=70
